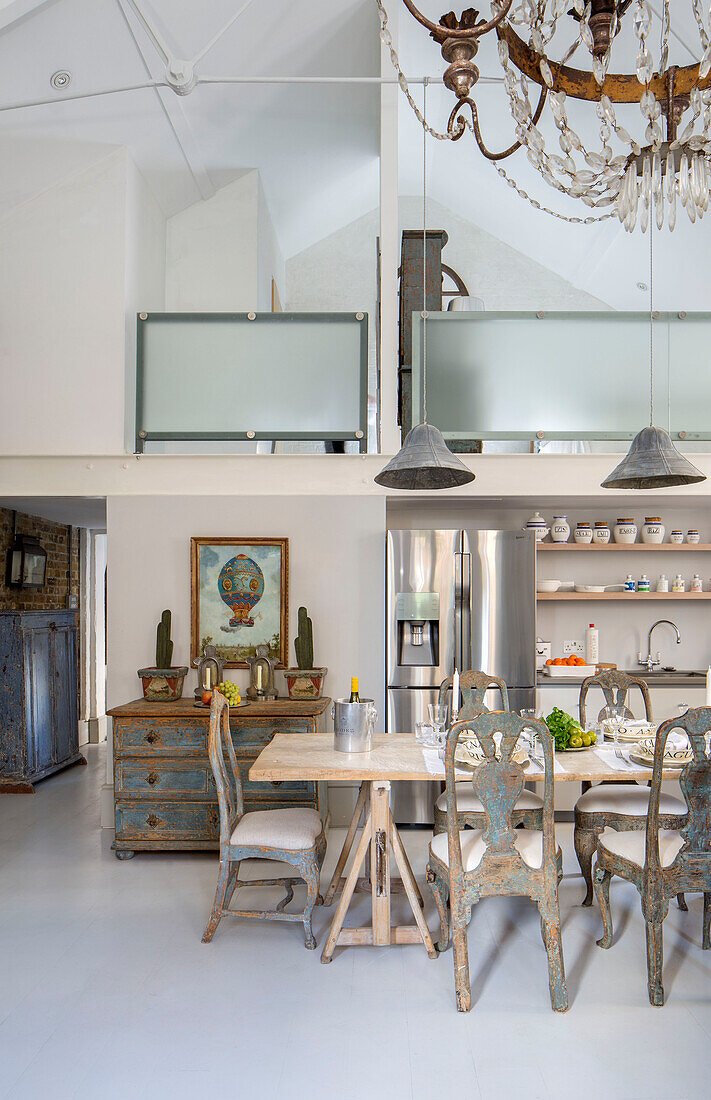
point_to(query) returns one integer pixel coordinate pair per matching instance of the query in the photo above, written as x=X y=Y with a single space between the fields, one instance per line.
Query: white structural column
x=92 y=636
x=389 y=250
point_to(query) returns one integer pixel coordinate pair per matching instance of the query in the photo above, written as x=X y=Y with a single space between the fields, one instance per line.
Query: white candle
x=708 y=687
x=455 y=691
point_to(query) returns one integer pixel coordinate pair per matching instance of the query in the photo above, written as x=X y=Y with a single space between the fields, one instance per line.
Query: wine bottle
x=355 y=697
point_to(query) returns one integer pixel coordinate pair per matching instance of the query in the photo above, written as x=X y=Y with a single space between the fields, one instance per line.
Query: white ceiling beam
x=172 y=109
x=14 y=11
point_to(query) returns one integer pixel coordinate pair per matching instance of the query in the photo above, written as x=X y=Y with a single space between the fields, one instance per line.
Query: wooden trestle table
x=394 y=757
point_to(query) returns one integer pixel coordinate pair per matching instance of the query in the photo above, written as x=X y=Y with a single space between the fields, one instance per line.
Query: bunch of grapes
x=230 y=691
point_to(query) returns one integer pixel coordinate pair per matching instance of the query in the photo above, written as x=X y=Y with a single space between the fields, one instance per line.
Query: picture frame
x=239 y=597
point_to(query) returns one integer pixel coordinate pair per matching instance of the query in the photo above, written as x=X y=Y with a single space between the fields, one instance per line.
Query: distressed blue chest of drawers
x=164 y=794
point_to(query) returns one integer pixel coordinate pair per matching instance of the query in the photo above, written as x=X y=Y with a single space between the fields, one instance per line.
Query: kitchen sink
x=660 y=673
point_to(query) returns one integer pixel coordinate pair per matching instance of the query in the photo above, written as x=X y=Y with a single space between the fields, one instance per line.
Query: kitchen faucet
x=649 y=662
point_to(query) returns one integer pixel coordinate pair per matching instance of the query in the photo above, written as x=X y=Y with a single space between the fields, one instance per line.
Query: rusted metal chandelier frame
x=646 y=179
x=459 y=38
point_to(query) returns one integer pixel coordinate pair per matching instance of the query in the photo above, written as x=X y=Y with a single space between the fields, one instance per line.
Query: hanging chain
x=424 y=254
x=651 y=324
x=387 y=40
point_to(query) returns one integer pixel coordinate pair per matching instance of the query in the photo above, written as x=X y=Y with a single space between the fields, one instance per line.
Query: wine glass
x=529 y=715
x=438 y=717
x=611 y=719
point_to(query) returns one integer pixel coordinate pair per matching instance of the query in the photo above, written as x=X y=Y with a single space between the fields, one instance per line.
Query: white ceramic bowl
x=548 y=586
x=590 y=588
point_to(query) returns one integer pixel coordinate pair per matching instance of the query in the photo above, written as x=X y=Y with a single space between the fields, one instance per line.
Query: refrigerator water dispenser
x=417 y=618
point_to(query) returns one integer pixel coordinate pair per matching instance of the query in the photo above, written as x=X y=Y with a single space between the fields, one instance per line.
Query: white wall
x=339 y=272
x=212 y=251
x=62 y=316
x=145 y=275
x=270 y=261
x=337 y=569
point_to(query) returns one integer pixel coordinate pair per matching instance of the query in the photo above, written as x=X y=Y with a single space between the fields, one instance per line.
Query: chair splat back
x=695 y=783
x=474 y=686
x=498 y=782
x=615 y=687
x=223 y=761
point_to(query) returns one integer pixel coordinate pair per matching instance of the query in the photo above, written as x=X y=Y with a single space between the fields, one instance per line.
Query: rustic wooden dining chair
x=622 y=806
x=661 y=861
x=291 y=835
x=528 y=810
x=465 y=866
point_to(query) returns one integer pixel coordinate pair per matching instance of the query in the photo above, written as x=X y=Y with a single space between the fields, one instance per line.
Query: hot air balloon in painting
x=241 y=585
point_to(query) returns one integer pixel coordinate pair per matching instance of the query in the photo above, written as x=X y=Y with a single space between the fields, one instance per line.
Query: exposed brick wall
x=55 y=540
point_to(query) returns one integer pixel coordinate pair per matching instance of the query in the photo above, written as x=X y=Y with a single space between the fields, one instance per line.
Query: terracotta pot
x=305 y=683
x=162 y=684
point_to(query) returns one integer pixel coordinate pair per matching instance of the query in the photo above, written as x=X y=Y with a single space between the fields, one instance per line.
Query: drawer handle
x=152 y=779
x=276 y=782
x=152 y=821
x=151 y=738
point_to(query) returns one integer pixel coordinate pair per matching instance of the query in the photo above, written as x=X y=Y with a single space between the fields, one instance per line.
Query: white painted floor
x=107 y=991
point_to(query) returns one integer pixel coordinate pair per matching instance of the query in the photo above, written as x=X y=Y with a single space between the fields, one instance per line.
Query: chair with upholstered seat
x=662 y=861
x=621 y=806
x=464 y=866
x=529 y=806
x=290 y=835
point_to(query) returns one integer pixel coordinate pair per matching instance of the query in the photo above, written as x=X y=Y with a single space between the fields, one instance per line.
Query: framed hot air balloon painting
x=240 y=598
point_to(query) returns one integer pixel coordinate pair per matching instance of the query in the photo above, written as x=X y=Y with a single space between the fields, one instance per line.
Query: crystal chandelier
x=642 y=177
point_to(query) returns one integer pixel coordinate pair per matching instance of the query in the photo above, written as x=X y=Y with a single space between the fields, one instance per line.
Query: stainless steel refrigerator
x=455 y=599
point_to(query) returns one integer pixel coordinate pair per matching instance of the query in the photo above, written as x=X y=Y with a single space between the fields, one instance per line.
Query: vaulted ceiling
x=316 y=145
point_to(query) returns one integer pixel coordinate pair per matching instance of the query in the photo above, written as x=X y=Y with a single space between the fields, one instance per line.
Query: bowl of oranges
x=572 y=667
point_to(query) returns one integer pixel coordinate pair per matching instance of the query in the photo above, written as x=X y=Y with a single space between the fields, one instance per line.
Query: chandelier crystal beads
x=651 y=175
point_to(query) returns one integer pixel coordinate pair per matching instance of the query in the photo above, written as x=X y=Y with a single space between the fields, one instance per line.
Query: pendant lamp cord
x=651 y=324
x=424 y=251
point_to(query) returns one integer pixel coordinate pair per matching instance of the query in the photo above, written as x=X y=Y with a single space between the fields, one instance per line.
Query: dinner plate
x=673 y=758
x=468 y=754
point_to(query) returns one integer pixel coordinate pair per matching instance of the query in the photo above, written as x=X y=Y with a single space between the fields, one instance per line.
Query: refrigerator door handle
x=462 y=611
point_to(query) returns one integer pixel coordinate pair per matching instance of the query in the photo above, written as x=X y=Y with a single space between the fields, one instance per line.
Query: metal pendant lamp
x=652 y=462
x=424 y=461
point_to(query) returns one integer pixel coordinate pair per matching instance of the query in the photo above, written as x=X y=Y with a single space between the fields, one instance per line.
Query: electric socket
x=572 y=646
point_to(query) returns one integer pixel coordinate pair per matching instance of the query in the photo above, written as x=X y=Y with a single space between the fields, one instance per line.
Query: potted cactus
x=305 y=681
x=165 y=681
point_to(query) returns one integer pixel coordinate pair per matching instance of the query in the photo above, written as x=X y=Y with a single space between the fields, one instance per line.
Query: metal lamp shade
x=424 y=462
x=652 y=462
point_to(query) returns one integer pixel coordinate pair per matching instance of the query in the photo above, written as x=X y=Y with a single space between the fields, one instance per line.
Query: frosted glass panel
x=279 y=376
x=568 y=375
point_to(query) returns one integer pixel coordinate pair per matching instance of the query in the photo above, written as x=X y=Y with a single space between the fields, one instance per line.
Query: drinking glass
x=529 y=714
x=610 y=721
x=424 y=733
x=438 y=717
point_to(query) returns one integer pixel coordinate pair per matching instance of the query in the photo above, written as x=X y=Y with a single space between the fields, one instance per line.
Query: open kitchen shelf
x=623 y=595
x=669 y=546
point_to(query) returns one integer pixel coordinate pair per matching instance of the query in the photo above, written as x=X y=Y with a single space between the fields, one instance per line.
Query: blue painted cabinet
x=39 y=723
x=164 y=792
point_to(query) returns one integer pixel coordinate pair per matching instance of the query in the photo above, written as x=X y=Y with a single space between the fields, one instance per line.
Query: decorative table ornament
x=304 y=681
x=261 y=676
x=164 y=681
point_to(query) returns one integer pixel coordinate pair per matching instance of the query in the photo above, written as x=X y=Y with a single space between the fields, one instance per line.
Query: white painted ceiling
x=79 y=511
x=316 y=146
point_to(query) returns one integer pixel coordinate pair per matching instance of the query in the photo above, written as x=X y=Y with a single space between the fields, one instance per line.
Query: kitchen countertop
x=680 y=678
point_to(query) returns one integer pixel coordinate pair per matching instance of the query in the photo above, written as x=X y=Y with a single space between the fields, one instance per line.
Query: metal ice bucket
x=353 y=725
